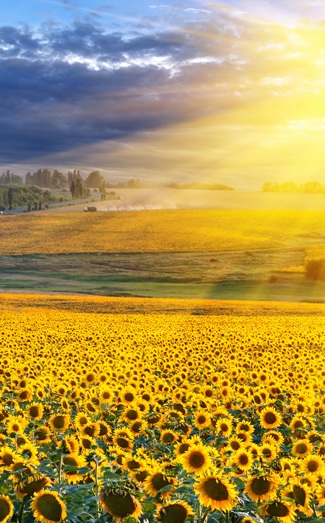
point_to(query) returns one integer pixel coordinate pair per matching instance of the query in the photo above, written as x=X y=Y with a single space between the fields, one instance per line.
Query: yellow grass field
x=162 y=414
x=150 y=231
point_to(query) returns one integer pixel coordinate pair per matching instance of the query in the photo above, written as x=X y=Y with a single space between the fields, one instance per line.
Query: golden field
x=149 y=231
x=163 y=416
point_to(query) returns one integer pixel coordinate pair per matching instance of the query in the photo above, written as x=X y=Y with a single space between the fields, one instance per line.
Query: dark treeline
x=307 y=188
x=7 y=178
x=17 y=196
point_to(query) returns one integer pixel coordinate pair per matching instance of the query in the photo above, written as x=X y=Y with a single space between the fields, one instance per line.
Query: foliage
x=135 y=400
x=7 y=178
x=45 y=178
x=14 y=196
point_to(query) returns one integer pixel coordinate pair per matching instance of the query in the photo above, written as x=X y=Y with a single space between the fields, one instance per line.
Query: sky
x=215 y=92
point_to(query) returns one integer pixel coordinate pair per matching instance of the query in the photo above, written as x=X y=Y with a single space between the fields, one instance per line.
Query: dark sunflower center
x=132 y=464
x=119 y=505
x=23 y=395
x=168 y=438
x=58 y=422
x=153 y=419
x=4 y=509
x=244 y=427
x=266 y=453
x=270 y=418
x=314 y=438
x=90 y=430
x=7 y=459
x=34 y=412
x=216 y=490
x=235 y=445
x=196 y=459
x=201 y=419
x=279 y=510
x=40 y=434
x=106 y=395
x=224 y=427
x=243 y=459
x=299 y=494
x=123 y=443
x=312 y=466
x=298 y=424
x=132 y=414
x=158 y=481
x=33 y=486
x=173 y=514
x=136 y=427
x=301 y=448
x=86 y=443
x=72 y=463
x=129 y=396
x=90 y=377
x=183 y=448
x=141 y=476
x=103 y=430
x=49 y=507
x=209 y=393
x=261 y=486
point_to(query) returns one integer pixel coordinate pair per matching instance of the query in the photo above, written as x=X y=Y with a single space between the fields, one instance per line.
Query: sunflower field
x=161 y=418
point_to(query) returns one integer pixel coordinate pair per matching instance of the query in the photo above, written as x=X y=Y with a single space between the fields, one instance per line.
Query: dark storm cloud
x=65 y=87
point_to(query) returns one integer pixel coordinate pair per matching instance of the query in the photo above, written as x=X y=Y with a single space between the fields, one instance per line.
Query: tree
x=94 y=179
x=10 y=197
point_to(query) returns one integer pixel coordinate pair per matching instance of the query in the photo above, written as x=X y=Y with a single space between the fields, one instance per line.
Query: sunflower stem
x=96 y=478
x=21 y=510
x=60 y=468
x=227 y=516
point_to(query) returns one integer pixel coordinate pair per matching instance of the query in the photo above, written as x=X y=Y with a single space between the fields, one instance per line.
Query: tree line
x=307 y=188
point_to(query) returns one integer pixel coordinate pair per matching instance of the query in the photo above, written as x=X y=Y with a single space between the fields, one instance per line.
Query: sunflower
x=282 y=510
x=81 y=420
x=123 y=438
x=130 y=463
x=104 y=430
x=157 y=480
x=59 y=422
x=137 y=427
x=216 y=492
x=90 y=429
x=270 y=418
x=297 y=423
x=14 y=426
x=235 y=444
x=24 y=395
x=195 y=459
x=31 y=485
x=182 y=447
x=8 y=456
x=313 y=465
x=268 y=452
x=128 y=396
x=173 y=512
x=42 y=435
x=168 y=437
x=140 y=474
x=105 y=395
x=48 y=507
x=72 y=444
x=245 y=426
x=131 y=414
x=29 y=452
x=87 y=442
x=301 y=494
x=119 y=504
x=320 y=494
x=243 y=460
x=22 y=466
x=262 y=488
x=73 y=460
x=224 y=425
x=201 y=420
x=302 y=448
x=6 y=508
x=35 y=411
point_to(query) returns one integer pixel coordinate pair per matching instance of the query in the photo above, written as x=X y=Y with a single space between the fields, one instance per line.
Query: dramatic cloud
x=213 y=94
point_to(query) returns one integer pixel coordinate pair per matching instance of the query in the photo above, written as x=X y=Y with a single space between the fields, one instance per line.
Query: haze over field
x=229 y=92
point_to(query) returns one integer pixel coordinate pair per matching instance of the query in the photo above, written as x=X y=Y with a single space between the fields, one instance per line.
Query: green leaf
x=165 y=489
x=110 y=475
x=75 y=512
x=148 y=507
